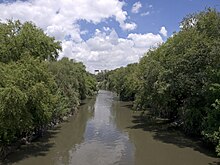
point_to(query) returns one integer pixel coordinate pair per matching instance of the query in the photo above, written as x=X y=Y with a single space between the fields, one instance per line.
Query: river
x=107 y=132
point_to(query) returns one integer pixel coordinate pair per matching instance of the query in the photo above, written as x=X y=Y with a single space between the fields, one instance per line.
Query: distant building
x=96 y=71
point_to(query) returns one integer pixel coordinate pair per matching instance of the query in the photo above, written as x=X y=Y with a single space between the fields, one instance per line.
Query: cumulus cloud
x=65 y=13
x=84 y=32
x=145 y=13
x=106 y=28
x=145 y=40
x=136 y=7
x=129 y=26
x=163 y=31
x=106 y=50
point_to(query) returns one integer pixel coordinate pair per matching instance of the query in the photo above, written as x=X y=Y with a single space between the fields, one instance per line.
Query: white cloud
x=65 y=13
x=106 y=29
x=145 y=13
x=59 y=18
x=105 y=50
x=121 y=17
x=145 y=40
x=84 y=32
x=129 y=26
x=136 y=7
x=163 y=31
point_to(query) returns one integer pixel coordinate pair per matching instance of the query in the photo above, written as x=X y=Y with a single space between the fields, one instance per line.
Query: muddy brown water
x=107 y=132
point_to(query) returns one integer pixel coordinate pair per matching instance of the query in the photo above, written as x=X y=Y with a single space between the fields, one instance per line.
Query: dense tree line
x=35 y=88
x=180 y=79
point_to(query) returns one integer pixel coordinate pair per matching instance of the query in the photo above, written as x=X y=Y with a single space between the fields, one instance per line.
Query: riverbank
x=148 y=122
x=34 y=135
x=106 y=131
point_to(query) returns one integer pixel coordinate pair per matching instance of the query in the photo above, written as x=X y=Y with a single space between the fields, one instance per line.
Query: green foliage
x=180 y=80
x=17 y=39
x=27 y=98
x=90 y=84
x=13 y=113
x=212 y=126
x=73 y=80
x=101 y=76
x=34 y=91
x=123 y=81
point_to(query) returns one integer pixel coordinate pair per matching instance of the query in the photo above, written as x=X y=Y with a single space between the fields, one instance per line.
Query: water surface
x=107 y=132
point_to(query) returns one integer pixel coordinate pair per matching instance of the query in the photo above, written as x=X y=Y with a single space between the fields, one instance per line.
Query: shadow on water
x=82 y=103
x=214 y=163
x=129 y=106
x=162 y=131
x=37 y=148
x=57 y=142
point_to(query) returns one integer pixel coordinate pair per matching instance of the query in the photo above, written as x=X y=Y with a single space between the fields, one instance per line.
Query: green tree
x=27 y=98
x=180 y=79
x=17 y=39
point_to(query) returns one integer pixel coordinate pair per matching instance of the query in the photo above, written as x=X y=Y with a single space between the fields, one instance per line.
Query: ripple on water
x=105 y=132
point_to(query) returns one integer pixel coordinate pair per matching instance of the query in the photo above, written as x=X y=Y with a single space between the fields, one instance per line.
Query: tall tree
x=17 y=39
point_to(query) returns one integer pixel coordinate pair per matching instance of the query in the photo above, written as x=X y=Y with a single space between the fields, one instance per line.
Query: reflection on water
x=103 y=143
x=107 y=132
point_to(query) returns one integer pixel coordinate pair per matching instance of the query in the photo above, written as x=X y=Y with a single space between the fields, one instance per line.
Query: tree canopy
x=17 y=40
x=35 y=88
x=180 y=80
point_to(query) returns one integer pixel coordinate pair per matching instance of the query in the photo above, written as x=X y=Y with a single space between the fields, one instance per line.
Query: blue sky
x=168 y=13
x=105 y=34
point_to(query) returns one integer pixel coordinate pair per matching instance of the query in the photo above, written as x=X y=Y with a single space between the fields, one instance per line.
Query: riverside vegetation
x=179 y=80
x=36 y=90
